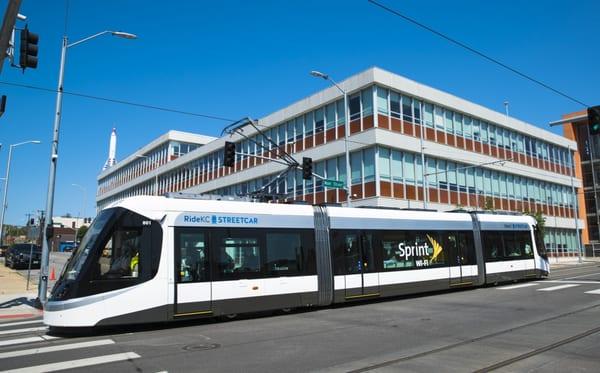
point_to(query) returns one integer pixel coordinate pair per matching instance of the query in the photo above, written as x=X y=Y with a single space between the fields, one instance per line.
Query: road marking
x=26 y=330
x=597 y=291
x=559 y=287
x=568 y=282
x=19 y=341
x=42 y=350
x=588 y=275
x=518 y=286
x=21 y=323
x=79 y=363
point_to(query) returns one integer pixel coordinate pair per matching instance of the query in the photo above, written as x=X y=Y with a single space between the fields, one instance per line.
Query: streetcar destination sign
x=333 y=184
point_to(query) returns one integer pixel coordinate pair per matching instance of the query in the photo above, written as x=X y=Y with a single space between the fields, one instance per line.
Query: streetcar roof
x=156 y=207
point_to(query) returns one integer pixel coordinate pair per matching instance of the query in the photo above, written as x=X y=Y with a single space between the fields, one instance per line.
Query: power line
x=473 y=50
x=117 y=101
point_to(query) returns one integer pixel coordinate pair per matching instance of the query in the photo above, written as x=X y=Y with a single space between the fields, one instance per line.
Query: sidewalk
x=16 y=302
x=562 y=262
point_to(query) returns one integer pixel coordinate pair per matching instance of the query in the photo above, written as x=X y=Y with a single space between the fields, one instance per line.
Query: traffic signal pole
x=47 y=227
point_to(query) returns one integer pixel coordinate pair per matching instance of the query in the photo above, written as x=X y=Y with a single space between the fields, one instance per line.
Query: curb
x=19 y=316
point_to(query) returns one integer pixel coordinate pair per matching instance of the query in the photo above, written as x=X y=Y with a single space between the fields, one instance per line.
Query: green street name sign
x=333 y=184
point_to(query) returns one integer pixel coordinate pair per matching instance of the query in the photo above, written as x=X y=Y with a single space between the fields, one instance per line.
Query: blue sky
x=249 y=58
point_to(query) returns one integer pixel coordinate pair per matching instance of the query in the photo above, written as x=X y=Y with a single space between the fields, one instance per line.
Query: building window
x=354 y=107
x=409 y=168
x=382 y=101
x=407 y=113
x=417 y=111
x=341 y=113
x=356 y=167
x=330 y=116
x=367 y=101
x=384 y=164
x=299 y=128
x=369 y=164
x=428 y=115
x=448 y=121
x=319 y=121
x=309 y=124
x=395 y=104
x=397 y=174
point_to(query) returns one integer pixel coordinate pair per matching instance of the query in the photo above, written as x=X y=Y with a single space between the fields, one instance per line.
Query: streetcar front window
x=120 y=249
x=539 y=242
x=88 y=242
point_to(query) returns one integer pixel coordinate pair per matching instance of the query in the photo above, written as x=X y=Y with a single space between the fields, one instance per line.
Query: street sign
x=333 y=184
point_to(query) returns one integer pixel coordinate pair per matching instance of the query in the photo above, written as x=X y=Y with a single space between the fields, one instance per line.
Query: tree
x=539 y=219
x=81 y=232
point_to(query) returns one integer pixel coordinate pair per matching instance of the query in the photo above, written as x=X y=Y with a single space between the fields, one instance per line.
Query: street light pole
x=82 y=209
x=43 y=285
x=319 y=74
x=4 y=205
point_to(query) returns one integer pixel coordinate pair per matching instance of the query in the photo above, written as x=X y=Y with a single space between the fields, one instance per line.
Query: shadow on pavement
x=18 y=302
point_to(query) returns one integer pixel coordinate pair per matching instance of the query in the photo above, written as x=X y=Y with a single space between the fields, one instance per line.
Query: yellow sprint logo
x=437 y=248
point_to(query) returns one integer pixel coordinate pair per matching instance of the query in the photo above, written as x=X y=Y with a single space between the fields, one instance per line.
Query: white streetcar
x=148 y=259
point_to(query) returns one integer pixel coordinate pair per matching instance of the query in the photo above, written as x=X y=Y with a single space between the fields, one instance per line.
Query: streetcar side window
x=493 y=246
x=284 y=253
x=524 y=239
x=512 y=248
x=238 y=255
x=507 y=245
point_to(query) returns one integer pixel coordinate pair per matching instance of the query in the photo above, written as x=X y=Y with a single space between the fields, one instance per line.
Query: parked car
x=18 y=256
x=3 y=250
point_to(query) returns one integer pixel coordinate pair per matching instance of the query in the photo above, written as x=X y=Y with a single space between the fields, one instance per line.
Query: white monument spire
x=112 y=150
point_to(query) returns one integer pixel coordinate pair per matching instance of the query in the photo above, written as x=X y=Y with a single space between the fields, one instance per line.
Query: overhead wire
x=119 y=101
x=475 y=51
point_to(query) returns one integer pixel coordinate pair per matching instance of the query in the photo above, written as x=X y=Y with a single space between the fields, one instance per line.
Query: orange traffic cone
x=52 y=274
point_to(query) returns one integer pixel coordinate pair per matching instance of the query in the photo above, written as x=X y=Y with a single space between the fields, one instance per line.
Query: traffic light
x=29 y=49
x=32 y=221
x=594 y=119
x=229 y=158
x=307 y=168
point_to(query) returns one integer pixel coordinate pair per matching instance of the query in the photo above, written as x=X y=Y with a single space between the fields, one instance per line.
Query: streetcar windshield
x=120 y=249
x=539 y=242
x=87 y=243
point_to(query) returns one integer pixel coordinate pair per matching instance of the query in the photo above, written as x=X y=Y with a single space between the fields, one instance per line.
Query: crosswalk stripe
x=597 y=291
x=79 y=363
x=568 y=282
x=42 y=350
x=2 y=325
x=518 y=286
x=19 y=341
x=26 y=330
x=559 y=287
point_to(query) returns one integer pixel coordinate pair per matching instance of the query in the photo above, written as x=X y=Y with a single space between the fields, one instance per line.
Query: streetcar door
x=193 y=291
x=462 y=253
x=361 y=278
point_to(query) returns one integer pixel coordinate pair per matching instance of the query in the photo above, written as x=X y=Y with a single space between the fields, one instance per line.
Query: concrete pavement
x=16 y=301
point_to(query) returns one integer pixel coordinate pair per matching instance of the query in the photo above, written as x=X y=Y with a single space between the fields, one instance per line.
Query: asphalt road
x=550 y=325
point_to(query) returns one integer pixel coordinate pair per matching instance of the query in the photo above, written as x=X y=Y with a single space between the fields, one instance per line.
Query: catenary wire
x=117 y=101
x=475 y=51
